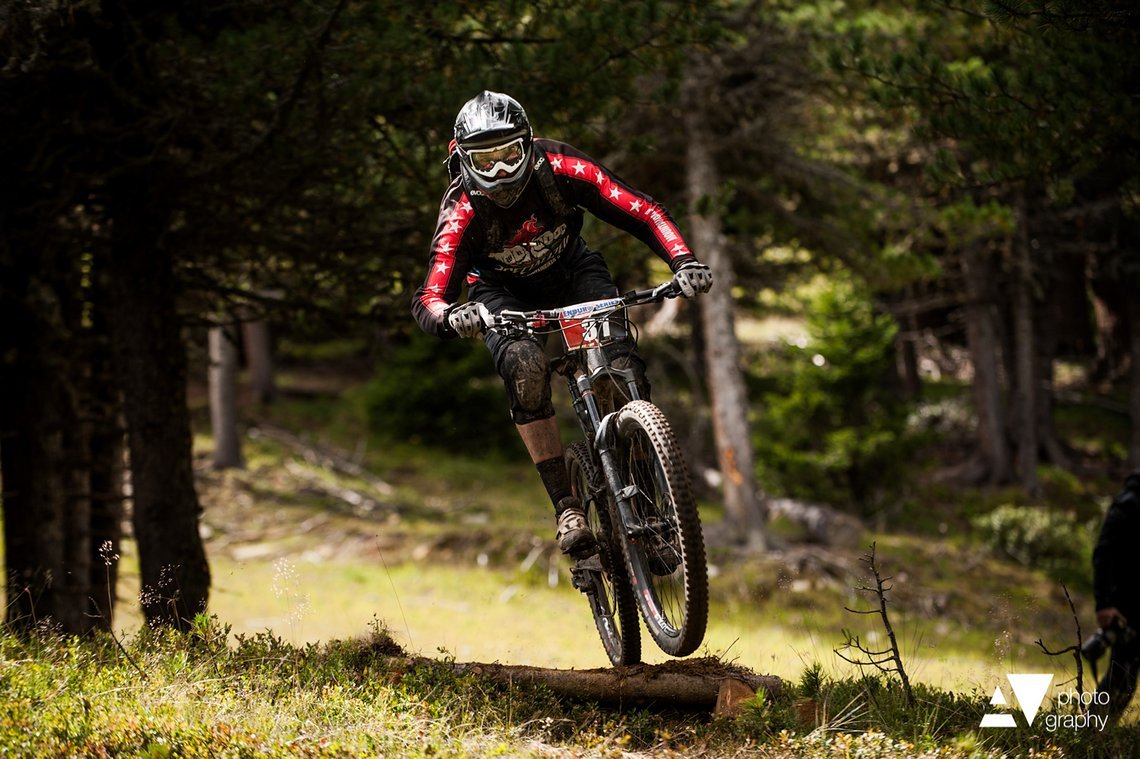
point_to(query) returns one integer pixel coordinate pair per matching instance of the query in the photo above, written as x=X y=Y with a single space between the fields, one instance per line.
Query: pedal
x=582 y=574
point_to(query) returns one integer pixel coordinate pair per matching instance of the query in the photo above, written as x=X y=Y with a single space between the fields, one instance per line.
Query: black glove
x=469 y=319
x=693 y=278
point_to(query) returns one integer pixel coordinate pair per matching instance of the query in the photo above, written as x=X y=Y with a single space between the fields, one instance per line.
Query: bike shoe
x=575 y=539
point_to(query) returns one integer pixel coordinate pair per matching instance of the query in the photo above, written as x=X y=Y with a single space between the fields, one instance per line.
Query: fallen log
x=820 y=523
x=361 y=504
x=323 y=458
x=692 y=683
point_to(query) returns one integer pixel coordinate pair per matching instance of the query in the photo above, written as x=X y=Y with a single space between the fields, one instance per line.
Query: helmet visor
x=488 y=162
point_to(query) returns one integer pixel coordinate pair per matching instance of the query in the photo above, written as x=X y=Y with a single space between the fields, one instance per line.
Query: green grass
x=211 y=693
x=459 y=564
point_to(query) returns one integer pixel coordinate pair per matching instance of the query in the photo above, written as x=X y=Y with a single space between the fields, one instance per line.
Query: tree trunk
x=907 y=346
x=1134 y=394
x=259 y=360
x=1110 y=298
x=151 y=364
x=31 y=449
x=106 y=451
x=1047 y=335
x=223 y=398
x=743 y=500
x=1025 y=380
x=42 y=455
x=982 y=340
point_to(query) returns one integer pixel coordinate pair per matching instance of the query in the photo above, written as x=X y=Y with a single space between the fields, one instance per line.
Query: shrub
x=440 y=392
x=833 y=430
x=1041 y=538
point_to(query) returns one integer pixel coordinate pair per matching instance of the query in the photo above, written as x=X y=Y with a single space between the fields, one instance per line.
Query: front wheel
x=603 y=577
x=663 y=544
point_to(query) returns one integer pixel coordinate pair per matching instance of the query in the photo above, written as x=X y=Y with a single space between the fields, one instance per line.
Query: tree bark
x=1134 y=393
x=30 y=453
x=1047 y=337
x=982 y=340
x=42 y=448
x=222 y=383
x=259 y=360
x=107 y=449
x=1025 y=380
x=743 y=500
x=151 y=366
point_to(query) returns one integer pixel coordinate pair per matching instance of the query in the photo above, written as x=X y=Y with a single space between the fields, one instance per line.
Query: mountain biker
x=509 y=228
x=1117 y=593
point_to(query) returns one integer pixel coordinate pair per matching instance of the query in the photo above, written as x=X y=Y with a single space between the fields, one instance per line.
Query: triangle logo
x=1030 y=691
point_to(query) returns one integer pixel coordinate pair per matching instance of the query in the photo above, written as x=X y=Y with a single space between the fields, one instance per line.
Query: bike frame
x=584 y=366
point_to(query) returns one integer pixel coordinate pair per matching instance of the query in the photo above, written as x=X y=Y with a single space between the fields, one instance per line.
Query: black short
x=580 y=277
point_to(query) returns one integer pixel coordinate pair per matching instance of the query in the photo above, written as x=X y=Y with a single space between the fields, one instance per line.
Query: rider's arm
x=448 y=263
x=589 y=184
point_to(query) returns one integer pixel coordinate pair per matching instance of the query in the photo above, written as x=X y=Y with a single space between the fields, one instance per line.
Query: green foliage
x=207 y=694
x=1029 y=91
x=1043 y=538
x=833 y=431
x=441 y=392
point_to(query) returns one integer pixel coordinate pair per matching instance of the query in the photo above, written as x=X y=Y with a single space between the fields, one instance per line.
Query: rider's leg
x=526 y=373
x=542 y=439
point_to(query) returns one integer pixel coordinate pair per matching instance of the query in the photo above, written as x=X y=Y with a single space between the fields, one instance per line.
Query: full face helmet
x=493 y=139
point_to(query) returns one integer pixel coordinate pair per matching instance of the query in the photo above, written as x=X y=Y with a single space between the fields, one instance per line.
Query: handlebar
x=537 y=319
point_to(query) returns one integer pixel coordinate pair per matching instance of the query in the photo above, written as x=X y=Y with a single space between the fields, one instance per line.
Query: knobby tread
x=650 y=420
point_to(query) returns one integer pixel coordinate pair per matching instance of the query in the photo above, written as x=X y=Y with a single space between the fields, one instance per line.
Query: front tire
x=666 y=553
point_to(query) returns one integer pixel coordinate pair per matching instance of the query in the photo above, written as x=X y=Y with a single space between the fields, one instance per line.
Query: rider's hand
x=469 y=319
x=693 y=278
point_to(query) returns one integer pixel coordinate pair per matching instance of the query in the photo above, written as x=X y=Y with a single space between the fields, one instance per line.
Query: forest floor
x=365 y=590
x=325 y=530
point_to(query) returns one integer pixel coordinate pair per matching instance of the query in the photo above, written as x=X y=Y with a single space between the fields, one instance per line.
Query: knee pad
x=526 y=373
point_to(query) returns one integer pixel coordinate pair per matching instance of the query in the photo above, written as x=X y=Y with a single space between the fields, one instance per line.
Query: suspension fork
x=604 y=444
x=598 y=429
x=623 y=493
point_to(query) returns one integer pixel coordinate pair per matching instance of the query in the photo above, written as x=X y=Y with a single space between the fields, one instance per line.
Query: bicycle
x=633 y=483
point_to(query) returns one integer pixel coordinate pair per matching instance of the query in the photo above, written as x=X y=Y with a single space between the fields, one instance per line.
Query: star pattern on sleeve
x=447 y=242
x=624 y=199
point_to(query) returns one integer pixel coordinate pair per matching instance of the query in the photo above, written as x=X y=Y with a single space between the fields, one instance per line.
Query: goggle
x=490 y=161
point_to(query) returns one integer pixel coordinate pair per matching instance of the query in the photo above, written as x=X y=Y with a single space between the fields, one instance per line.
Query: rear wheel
x=603 y=576
x=664 y=547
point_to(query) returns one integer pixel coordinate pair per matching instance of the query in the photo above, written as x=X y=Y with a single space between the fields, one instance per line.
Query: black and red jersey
x=531 y=237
